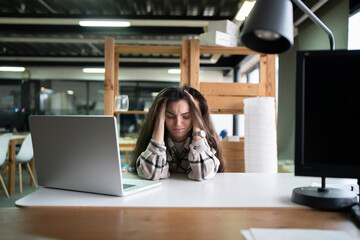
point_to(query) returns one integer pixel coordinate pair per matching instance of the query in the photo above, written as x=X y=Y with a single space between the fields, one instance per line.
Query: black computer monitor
x=327 y=129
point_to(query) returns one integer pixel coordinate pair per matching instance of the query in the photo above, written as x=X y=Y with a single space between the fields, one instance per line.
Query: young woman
x=178 y=136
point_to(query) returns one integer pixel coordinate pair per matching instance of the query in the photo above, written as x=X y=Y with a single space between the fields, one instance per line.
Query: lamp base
x=324 y=198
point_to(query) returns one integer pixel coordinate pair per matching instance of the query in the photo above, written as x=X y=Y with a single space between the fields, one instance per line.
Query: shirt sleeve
x=202 y=160
x=152 y=164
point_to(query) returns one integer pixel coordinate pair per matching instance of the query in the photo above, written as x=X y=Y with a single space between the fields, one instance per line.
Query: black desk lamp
x=269 y=28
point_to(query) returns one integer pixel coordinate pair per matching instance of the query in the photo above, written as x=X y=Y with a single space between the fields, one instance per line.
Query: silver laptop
x=81 y=153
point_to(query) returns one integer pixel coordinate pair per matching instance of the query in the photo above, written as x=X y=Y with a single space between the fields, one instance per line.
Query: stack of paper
x=221 y=33
x=260 y=147
x=294 y=234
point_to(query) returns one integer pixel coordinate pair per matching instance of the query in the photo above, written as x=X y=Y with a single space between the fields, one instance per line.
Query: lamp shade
x=269 y=28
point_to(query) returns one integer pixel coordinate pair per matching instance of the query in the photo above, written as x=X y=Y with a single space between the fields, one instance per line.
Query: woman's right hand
x=162 y=112
x=159 y=126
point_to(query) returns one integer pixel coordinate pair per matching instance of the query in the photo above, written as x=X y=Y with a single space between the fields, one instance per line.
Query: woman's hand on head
x=162 y=111
x=193 y=99
x=158 y=132
x=196 y=126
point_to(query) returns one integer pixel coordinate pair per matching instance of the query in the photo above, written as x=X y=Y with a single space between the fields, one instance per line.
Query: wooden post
x=109 y=77
x=32 y=166
x=185 y=63
x=194 y=63
x=271 y=76
x=267 y=75
x=116 y=74
x=12 y=167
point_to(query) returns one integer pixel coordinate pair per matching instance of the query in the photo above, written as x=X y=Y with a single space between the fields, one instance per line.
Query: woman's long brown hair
x=174 y=95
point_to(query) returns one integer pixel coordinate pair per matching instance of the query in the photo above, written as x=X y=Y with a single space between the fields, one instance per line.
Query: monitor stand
x=323 y=197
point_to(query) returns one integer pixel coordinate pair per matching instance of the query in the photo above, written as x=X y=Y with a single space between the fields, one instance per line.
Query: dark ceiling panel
x=64 y=40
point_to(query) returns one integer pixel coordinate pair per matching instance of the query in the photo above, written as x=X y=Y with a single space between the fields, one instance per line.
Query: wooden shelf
x=131 y=112
x=222 y=98
x=227 y=111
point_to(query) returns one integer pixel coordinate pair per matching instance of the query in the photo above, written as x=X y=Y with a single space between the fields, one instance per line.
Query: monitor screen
x=327 y=134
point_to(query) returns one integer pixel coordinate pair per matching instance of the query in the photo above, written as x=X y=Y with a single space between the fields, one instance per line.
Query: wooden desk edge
x=166 y=223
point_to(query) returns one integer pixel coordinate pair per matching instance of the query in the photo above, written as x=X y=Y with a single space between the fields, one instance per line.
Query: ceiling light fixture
x=174 y=71
x=94 y=70
x=104 y=23
x=11 y=69
x=245 y=10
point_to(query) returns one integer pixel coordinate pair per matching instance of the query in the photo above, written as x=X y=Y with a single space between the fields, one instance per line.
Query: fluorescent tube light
x=174 y=71
x=245 y=10
x=11 y=69
x=104 y=24
x=93 y=70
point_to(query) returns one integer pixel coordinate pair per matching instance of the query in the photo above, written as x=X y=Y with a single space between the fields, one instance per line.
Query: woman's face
x=178 y=120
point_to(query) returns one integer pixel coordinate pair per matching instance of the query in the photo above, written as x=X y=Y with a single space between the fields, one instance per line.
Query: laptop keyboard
x=125 y=186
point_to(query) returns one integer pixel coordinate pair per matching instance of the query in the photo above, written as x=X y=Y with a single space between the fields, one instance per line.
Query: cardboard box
x=224 y=26
x=218 y=38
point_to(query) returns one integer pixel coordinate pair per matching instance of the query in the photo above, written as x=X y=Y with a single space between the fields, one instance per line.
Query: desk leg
x=11 y=173
x=32 y=166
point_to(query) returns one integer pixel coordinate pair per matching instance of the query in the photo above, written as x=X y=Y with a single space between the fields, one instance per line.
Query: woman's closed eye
x=173 y=116
x=186 y=115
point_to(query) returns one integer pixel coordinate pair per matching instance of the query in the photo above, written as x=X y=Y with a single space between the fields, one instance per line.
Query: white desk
x=225 y=190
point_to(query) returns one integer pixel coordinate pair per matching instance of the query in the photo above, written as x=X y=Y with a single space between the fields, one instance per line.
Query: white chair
x=25 y=155
x=4 y=146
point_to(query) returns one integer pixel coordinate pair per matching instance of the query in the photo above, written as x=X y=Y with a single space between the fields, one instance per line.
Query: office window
x=63 y=97
x=253 y=76
x=71 y=97
x=10 y=93
x=354 y=33
x=95 y=97
x=11 y=113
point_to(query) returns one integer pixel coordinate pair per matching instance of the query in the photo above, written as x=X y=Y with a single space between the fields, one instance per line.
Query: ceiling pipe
x=97 y=59
x=133 y=22
x=88 y=40
x=313 y=9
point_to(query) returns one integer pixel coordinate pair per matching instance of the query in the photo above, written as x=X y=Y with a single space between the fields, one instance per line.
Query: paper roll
x=260 y=147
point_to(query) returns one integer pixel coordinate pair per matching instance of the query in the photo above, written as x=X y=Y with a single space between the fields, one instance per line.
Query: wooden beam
x=116 y=75
x=270 y=88
x=185 y=63
x=230 y=89
x=225 y=104
x=267 y=75
x=148 y=49
x=226 y=50
x=227 y=111
x=109 y=77
x=194 y=63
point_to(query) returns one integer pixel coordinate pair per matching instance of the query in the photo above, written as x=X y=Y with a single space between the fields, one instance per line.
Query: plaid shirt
x=197 y=160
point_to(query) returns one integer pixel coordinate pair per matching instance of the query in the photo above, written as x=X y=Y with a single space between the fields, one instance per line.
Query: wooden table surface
x=161 y=223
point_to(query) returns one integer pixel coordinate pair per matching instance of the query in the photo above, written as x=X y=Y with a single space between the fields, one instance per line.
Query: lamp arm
x=317 y=21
